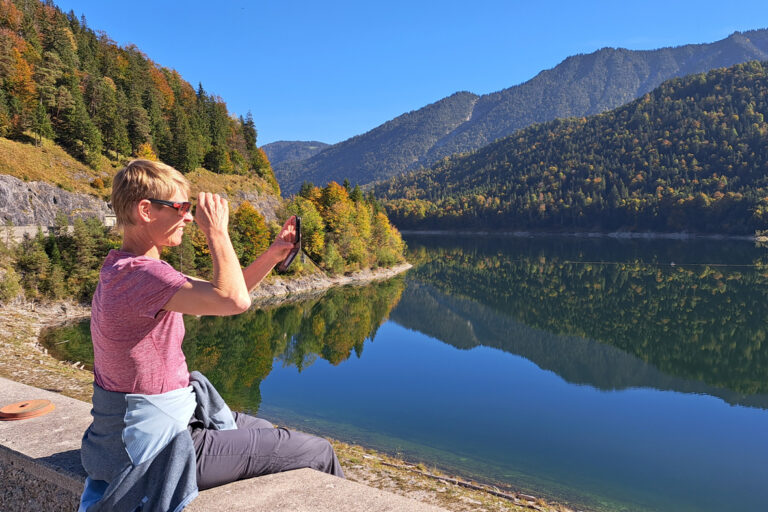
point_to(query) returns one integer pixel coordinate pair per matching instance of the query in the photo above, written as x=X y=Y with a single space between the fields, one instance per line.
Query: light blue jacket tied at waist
x=138 y=452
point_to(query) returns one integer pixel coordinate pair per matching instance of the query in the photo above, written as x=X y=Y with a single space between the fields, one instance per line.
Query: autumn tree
x=312 y=227
x=23 y=93
x=249 y=232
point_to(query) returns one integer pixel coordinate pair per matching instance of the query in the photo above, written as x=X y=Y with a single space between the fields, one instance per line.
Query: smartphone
x=283 y=266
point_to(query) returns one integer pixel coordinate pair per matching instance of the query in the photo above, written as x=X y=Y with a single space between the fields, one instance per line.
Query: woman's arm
x=226 y=293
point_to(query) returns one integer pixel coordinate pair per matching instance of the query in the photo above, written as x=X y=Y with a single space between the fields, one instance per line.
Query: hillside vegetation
x=50 y=163
x=61 y=80
x=581 y=85
x=690 y=156
x=74 y=107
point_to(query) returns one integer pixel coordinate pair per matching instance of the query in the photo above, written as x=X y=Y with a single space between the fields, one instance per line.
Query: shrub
x=9 y=284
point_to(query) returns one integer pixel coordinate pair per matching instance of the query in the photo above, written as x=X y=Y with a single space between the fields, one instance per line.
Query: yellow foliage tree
x=146 y=152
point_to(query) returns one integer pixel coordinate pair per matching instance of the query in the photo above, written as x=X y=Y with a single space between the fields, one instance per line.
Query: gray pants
x=257 y=448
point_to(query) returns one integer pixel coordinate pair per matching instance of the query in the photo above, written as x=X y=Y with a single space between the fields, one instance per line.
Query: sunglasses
x=182 y=208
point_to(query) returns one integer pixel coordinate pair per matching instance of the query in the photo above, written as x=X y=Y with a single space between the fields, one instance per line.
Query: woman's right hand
x=212 y=214
x=285 y=240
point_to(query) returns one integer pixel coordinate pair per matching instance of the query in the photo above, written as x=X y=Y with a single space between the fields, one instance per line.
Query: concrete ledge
x=303 y=490
x=40 y=470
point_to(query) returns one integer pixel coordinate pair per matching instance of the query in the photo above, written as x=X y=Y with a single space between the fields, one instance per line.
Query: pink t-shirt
x=136 y=344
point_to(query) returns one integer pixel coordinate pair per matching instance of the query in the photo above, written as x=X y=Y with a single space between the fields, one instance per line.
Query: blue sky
x=329 y=70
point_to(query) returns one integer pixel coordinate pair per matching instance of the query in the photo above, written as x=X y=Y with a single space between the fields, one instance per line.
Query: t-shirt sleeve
x=157 y=283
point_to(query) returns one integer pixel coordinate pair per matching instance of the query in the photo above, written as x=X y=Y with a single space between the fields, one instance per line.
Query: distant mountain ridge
x=692 y=155
x=581 y=85
x=291 y=150
x=396 y=144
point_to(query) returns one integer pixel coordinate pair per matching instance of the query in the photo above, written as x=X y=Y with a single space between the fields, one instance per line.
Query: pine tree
x=32 y=264
x=249 y=132
x=46 y=76
x=41 y=125
x=138 y=123
x=5 y=118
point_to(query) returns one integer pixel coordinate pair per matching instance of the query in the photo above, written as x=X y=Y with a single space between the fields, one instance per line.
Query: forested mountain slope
x=61 y=80
x=580 y=85
x=292 y=150
x=583 y=85
x=690 y=156
x=397 y=144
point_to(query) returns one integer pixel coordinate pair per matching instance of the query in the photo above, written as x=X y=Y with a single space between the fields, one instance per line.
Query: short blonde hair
x=143 y=179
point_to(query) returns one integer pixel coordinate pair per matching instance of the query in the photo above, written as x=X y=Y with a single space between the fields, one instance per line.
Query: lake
x=609 y=374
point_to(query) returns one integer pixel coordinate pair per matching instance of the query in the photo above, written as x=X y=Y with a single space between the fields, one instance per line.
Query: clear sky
x=329 y=70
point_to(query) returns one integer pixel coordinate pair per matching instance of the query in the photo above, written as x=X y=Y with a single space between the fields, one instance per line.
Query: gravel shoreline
x=280 y=290
x=24 y=359
x=644 y=235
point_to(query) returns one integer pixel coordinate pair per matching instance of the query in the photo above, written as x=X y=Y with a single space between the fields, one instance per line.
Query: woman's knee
x=325 y=459
x=247 y=421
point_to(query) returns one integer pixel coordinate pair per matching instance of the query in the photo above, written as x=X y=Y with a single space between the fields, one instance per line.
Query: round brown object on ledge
x=26 y=409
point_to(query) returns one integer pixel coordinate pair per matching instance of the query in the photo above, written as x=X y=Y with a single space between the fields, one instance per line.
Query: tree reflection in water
x=237 y=353
x=696 y=310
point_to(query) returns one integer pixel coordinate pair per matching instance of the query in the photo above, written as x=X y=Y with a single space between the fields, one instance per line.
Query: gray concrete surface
x=40 y=470
x=303 y=490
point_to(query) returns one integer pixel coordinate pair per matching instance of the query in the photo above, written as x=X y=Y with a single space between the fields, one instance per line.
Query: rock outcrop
x=266 y=204
x=37 y=203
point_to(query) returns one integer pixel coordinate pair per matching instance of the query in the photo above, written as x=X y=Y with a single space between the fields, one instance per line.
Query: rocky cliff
x=266 y=204
x=37 y=203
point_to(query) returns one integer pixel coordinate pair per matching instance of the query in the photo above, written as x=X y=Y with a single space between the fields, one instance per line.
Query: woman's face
x=167 y=224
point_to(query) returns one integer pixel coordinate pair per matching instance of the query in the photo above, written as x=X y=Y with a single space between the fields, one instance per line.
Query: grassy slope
x=51 y=164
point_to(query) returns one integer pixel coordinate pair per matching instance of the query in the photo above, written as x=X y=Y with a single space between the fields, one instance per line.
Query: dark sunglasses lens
x=184 y=208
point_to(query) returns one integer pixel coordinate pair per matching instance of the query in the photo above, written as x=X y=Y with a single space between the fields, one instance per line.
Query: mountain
x=690 y=156
x=289 y=150
x=396 y=144
x=580 y=85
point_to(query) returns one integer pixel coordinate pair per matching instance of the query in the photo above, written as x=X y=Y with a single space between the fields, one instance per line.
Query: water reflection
x=571 y=342
x=237 y=353
x=601 y=312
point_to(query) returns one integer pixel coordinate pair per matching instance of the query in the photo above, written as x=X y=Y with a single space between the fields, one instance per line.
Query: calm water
x=615 y=375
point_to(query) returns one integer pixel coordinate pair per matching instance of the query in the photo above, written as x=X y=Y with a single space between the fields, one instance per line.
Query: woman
x=160 y=433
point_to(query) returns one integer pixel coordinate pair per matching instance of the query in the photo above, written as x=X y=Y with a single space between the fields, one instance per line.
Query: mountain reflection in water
x=612 y=314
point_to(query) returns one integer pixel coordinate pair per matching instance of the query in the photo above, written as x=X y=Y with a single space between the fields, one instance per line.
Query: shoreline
x=24 y=359
x=277 y=290
x=628 y=235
